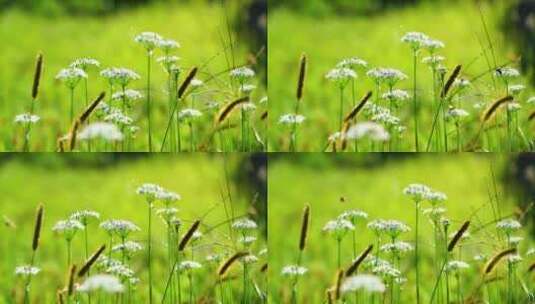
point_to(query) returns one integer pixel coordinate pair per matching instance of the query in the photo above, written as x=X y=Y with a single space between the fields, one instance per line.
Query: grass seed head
x=188 y=235
x=304 y=227
x=302 y=75
x=187 y=82
x=458 y=236
x=37 y=227
x=37 y=76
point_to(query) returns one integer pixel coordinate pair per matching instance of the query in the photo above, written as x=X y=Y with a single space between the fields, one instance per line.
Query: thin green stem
x=415 y=112
x=149 y=247
x=149 y=55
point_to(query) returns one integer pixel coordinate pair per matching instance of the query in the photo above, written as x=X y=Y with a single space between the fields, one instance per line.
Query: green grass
x=376 y=188
x=376 y=39
x=200 y=28
x=111 y=190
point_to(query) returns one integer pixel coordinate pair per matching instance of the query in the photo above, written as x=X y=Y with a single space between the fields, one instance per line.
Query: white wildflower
x=101 y=282
x=27 y=270
x=244 y=224
x=363 y=282
x=71 y=76
x=373 y=131
x=290 y=119
x=26 y=118
x=103 y=130
x=149 y=40
x=293 y=271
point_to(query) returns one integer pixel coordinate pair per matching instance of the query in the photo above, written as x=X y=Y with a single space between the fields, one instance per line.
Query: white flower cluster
x=244 y=224
x=189 y=114
x=101 y=282
x=128 y=247
x=119 y=227
x=128 y=95
x=371 y=130
x=508 y=225
x=291 y=119
x=84 y=216
x=363 y=282
x=189 y=265
x=242 y=73
x=27 y=270
x=101 y=130
x=71 y=76
x=351 y=63
x=386 y=75
x=120 y=76
x=68 y=228
x=84 y=63
x=26 y=118
x=397 y=248
x=149 y=40
x=454 y=266
x=293 y=270
x=353 y=215
x=117 y=117
x=341 y=76
x=338 y=227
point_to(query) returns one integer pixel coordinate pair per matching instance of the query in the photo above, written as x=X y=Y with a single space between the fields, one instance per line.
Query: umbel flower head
x=293 y=271
x=507 y=73
x=27 y=270
x=394 y=228
x=432 y=45
x=244 y=224
x=338 y=228
x=120 y=270
x=455 y=266
x=128 y=247
x=71 y=76
x=117 y=117
x=363 y=282
x=85 y=216
x=291 y=119
x=189 y=265
x=418 y=192
x=372 y=130
x=128 y=95
x=352 y=63
x=397 y=248
x=168 y=197
x=508 y=225
x=120 y=76
x=341 y=76
x=101 y=282
x=84 y=63
x=26 y=118
x=67 y=228
x=387 y=76
x=456 y=115
x=242 y=74
x=189 y=114
x=168 y=44
x=149 y=40
x=396 y=95
x=149 y=191
x=121 y=228
x=415 y=40
x=353 y=215
x=103 y=130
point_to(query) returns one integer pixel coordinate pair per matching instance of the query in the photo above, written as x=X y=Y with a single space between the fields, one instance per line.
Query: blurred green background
x=329 y=31
x=107 y=183
x=64 y=31
x=374 y=182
